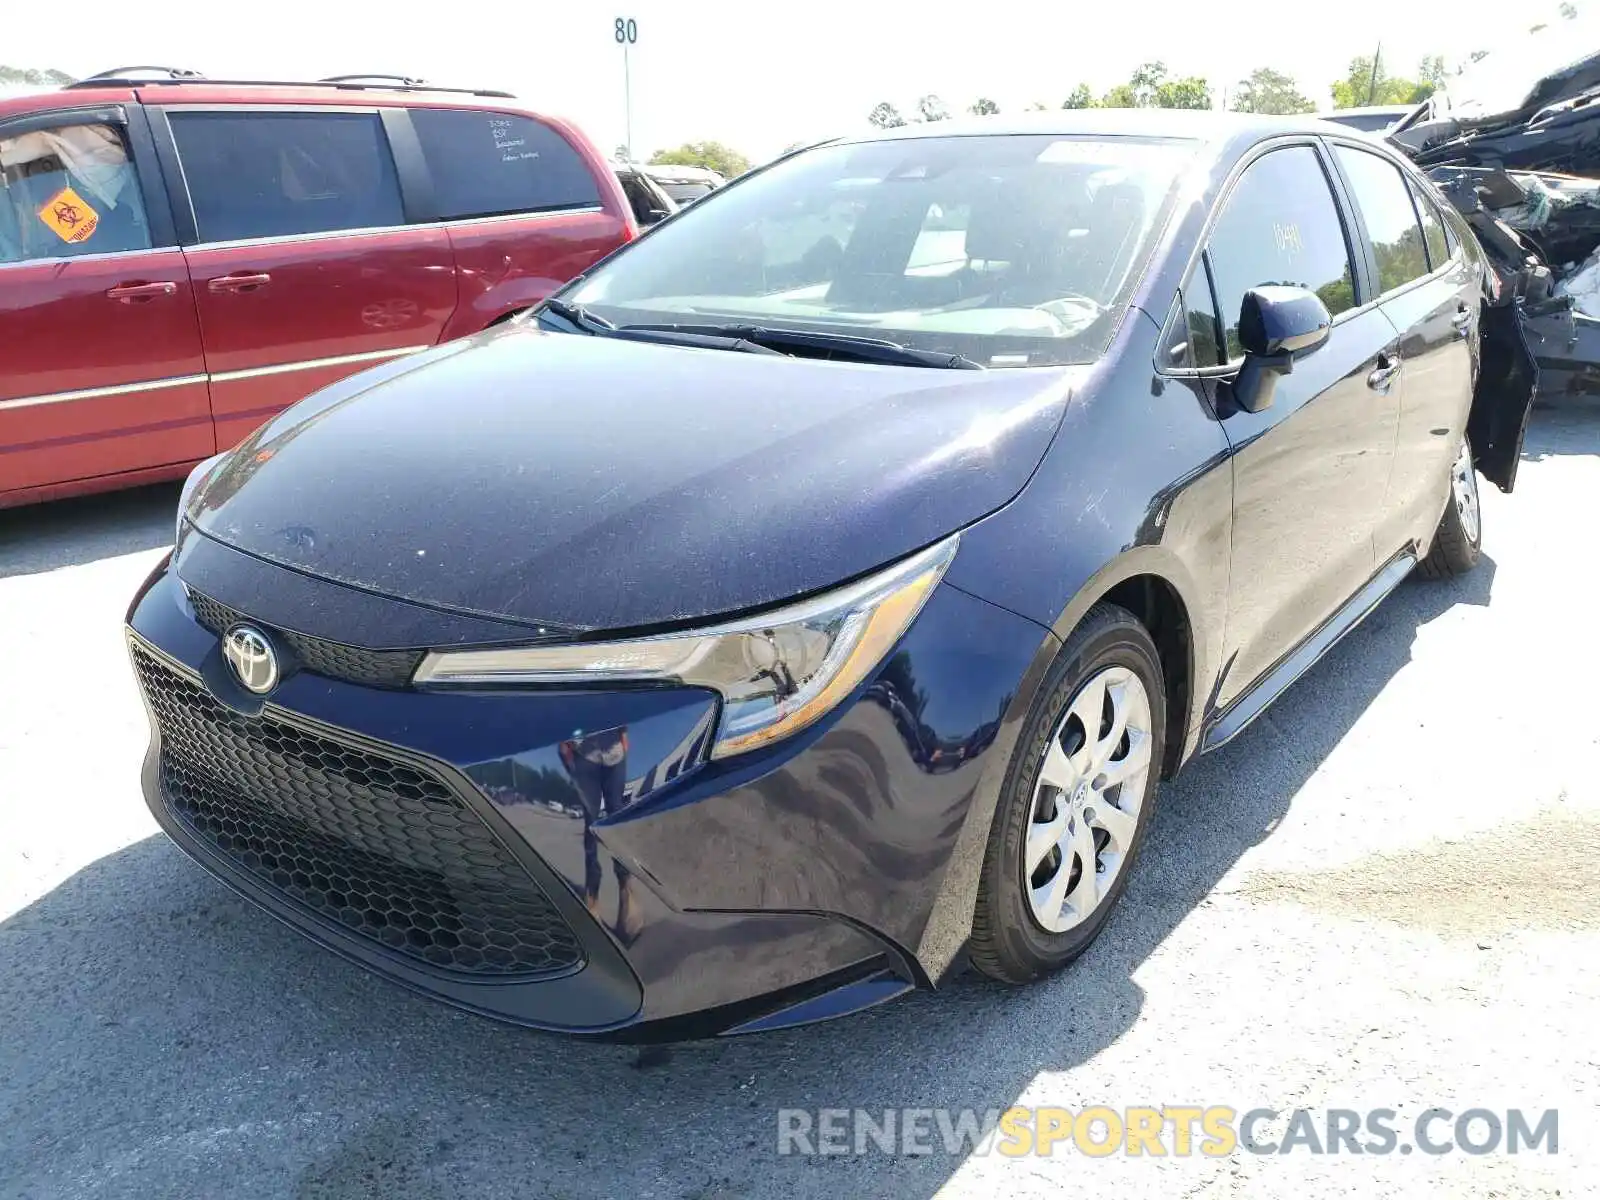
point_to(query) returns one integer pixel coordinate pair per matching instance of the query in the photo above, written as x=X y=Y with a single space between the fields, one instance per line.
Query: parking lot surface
x=1383 y=894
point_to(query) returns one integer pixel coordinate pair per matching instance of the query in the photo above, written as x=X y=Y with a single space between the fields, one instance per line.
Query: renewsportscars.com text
x=1214 y=1131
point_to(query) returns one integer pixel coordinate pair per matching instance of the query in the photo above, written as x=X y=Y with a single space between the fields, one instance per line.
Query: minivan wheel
x=1459 y=538
x=1076 y=803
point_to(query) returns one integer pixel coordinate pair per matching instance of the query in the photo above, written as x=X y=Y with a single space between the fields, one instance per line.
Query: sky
x=758 y=76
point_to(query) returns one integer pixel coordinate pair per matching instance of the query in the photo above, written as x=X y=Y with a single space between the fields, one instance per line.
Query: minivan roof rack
x=174 y=76
x=127 y=75
x=375 y=78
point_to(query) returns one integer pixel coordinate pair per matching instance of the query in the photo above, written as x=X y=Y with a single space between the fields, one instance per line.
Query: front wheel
x=1076 y=804
x=1458 y=541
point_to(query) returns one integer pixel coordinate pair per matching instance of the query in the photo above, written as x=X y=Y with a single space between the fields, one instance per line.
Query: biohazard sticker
x=69 y=216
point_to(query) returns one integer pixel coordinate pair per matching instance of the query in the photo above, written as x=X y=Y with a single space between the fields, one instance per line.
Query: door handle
x=139 y=293
x=1383 y=375
x=239 y=283
x=1462 y=320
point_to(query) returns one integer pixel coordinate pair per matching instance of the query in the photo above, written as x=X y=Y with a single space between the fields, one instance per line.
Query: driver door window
x=1280 y=226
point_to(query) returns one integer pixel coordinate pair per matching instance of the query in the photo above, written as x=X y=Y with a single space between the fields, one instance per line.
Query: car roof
x=225 y=92
x=1208 y=125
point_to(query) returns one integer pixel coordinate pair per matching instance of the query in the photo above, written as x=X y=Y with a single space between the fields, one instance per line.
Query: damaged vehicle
x=1514 y=145
x=805 y=602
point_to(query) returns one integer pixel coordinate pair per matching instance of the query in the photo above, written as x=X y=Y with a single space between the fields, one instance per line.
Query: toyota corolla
x=807 y=601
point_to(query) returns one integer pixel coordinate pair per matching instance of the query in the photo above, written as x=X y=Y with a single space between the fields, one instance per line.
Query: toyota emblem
x=250 y=655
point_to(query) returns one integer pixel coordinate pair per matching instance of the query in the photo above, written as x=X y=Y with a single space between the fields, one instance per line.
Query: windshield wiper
x=710 y=338
x=862 y=349
x=577 y=314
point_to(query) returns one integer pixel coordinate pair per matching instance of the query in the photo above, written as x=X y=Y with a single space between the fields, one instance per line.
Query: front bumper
x=449 y=841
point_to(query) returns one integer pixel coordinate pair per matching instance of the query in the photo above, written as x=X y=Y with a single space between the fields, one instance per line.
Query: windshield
x=1009 y=250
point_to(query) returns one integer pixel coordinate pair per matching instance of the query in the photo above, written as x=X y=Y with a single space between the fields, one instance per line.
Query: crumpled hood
x=594 y=483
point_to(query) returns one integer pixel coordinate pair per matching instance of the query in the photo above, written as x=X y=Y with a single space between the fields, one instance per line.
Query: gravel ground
x=1382 y=895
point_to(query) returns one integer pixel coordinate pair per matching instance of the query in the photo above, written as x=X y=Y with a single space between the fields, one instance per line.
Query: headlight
x=777 y=671
x=196 y=477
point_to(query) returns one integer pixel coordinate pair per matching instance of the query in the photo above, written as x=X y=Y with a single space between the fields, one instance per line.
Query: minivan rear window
x=487 y=164
x=278 y=174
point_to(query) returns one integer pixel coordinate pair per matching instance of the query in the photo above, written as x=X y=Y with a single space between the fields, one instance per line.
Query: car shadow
x=70 y=533
x=199 y=1036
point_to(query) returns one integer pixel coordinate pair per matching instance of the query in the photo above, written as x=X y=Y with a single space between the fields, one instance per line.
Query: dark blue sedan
x=807 y=601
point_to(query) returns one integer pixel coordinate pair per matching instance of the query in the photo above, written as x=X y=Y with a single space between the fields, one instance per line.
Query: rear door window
x=486 y=164
x=1279 y=225
x=69 y=191
x=1433 y=228
x=277 y=174
x=1385 y=201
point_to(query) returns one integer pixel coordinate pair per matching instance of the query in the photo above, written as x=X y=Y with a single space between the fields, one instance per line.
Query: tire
x=1050 y=793
x=1458 y=542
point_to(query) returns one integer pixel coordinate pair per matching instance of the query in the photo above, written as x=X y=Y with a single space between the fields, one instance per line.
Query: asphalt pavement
x=1386 y=893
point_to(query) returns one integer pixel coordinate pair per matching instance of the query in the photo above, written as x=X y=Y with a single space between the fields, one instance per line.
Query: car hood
x=583 y=483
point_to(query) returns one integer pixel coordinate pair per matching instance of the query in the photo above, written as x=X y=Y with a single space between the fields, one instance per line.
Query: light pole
x=626 y=32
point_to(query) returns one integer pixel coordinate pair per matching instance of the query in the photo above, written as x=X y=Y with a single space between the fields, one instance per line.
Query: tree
x=983 y=107
x=1190 y=92
x=1269 y=91
x=1430 y=77
x=1568 y=10
x=931 y=108
x=33 y=77
x=1149 y=87
x=622 y=153
x=1080 y=97
x=715 y=156
x=1038 y=106
x=1365 y=84
x=885 y=116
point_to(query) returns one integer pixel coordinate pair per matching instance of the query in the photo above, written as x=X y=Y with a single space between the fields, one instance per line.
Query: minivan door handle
x=1383 y=374
x=139 y=293
x=1462 y=320
x=239 y=283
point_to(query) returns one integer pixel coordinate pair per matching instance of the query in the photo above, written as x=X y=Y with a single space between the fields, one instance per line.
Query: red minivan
x=182 y=258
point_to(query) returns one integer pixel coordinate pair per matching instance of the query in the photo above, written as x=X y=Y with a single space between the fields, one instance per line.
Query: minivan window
x=1280 y=226
x=1385 y=202
x=488 y=164
x=276 y=174
x=1008 y=250
x=69 y=191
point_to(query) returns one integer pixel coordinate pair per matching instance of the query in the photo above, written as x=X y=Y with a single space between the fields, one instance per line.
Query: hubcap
x=1086 y=802
x=1464 y=492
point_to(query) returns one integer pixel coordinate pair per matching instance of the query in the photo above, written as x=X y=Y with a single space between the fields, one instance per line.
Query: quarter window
x=1385 y=202
x=1280 y=226
x=487 y=163
x=255 y=174
x=69 y=191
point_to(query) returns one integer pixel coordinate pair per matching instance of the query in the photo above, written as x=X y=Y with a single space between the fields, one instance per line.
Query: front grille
x=384 y=848
x=370 y=668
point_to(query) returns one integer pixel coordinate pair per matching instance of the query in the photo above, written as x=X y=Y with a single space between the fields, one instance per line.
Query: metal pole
x=1372 y=88
x=627 y=97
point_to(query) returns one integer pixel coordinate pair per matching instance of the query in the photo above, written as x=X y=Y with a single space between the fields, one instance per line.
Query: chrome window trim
x=101 y=257
x=500 y=218
x=311 y=364
x=374 y=230
x=149 y=385
x=279 y=239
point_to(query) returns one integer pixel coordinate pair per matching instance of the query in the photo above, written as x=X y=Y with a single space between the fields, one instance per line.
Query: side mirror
x=1277 y=325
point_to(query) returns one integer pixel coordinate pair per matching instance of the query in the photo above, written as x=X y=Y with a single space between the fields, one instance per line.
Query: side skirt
x=1229 y=724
